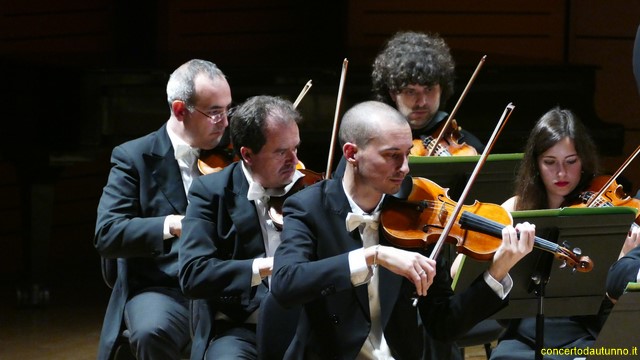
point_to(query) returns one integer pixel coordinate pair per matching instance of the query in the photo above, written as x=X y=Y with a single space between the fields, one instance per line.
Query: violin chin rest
x=405 y=188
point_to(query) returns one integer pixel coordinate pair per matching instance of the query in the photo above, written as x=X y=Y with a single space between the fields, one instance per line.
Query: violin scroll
x=574 y=260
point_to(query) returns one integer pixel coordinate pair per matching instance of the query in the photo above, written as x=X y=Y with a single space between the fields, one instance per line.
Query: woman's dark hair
x=552 y=127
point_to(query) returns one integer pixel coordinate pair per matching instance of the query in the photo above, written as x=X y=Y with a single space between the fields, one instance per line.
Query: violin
x=216 y=159
x=418 y=222
x=613 y=195
x=275 y=203
x=450 y=144
x=604 y=191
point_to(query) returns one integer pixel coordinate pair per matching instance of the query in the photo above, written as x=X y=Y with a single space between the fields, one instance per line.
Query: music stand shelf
x=494 y=183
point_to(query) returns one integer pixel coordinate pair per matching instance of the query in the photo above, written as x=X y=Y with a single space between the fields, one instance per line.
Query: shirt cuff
x=165 y=230
x=360 y=272
x=502 y=289
x=256 y=279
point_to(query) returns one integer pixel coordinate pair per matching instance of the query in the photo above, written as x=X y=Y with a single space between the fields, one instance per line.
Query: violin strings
x=477 y=222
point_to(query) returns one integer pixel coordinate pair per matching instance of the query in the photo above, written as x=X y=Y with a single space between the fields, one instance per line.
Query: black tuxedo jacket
x=221 y=236
x=311 y=268
x=144 y=186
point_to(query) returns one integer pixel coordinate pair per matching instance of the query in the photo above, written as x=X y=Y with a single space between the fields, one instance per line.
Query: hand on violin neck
x=632 y=241
x=174 y=224
x=264 y=266
x=516 y=243
x=417 y=268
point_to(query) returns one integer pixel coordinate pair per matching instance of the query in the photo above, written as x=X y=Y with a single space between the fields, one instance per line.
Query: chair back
x=109 y=269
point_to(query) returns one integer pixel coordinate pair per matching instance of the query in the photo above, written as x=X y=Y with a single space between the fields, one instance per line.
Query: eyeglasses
x=217 y=116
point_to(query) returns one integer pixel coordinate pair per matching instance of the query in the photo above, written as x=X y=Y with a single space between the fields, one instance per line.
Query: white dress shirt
x=375 y=347
x=187 y=158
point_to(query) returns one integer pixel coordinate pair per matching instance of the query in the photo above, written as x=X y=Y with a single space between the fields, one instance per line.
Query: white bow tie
x=354 y=220
x=184 y=151
x=256 y=192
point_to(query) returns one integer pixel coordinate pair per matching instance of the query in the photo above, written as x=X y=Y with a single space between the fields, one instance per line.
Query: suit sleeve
x=622 y=272
x=448 y=316
x=206 y=268
x=298 y=275
x=473 y=141
x=122 y=230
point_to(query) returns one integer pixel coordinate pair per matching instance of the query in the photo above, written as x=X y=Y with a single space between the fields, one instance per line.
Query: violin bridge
x=443 y=214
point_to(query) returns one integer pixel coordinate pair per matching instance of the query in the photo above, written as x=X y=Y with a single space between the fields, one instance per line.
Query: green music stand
x=538 y=280
x=618 y=335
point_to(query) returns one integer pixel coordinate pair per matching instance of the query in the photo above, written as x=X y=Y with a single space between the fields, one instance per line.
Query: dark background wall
x=79 y=77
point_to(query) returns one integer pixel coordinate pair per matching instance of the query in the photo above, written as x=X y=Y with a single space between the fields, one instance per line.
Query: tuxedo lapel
x=163 y=167
x=243 y=214
x=337 y=202
x=389 y=283
x=246 y=224
x=388 y=290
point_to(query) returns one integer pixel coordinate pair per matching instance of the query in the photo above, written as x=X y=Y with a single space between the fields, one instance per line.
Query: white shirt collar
x=356 y=209
x=180 y=147
x=256 y=191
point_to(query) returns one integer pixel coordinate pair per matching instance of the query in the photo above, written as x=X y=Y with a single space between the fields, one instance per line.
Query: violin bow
x=592 y=202
x=456 y=211
x=455 y=108
x=304 y=91
x=334 y=133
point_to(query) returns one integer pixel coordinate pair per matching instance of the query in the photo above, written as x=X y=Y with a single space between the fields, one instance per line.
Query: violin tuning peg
x=573 y=270
x=563 y=265
x=577 y=251
x=565 y=244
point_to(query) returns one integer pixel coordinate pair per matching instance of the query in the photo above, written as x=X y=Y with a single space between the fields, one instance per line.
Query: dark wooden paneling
x=252 y=32
x=604 y=19
x=602 y=34
x=68 y=31
x=513 y=28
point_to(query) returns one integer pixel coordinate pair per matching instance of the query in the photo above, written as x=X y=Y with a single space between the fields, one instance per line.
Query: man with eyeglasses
x=141 y=209
x=229 y=235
